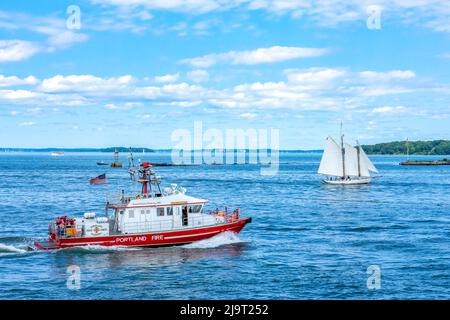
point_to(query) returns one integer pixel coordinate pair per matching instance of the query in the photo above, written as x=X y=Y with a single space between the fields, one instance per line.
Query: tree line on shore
x=435 y=147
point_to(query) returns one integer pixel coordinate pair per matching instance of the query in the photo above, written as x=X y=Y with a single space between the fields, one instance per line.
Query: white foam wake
x=221 y=239
x=4 y=248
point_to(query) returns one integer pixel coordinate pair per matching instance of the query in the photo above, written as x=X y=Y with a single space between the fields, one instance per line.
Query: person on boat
x=61 y=226
x=220 y=215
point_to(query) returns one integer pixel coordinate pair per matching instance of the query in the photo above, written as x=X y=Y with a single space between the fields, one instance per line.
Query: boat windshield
x=196 y=209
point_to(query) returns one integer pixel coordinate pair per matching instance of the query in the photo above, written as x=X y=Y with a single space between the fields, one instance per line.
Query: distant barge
x=443 y=162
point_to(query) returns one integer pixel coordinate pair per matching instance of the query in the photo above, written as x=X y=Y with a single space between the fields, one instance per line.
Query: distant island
x=435 y=147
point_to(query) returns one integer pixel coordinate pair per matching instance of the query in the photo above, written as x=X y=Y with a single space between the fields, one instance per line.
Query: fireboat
x=152 y=218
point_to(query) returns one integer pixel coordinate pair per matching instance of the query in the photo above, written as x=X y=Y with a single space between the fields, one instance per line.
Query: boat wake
x=5 y=248
x=222 y=239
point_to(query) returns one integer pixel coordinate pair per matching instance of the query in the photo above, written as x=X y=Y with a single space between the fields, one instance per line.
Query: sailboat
x=345 y=164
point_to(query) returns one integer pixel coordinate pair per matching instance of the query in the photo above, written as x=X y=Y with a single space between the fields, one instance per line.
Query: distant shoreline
x=422 y=148
x=134 y=150
x=396 y=148
x=49 y=151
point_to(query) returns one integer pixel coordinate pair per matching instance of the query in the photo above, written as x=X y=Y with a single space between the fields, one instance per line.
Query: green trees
x=435 y=147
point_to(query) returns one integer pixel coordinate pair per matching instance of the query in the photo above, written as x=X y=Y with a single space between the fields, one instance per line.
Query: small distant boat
x=57 y=154
x=345 y=164
x=101 y=179
x=116 y=163
x=102 y=163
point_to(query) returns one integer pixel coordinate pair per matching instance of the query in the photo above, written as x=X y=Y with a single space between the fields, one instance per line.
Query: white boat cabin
x=168 y=212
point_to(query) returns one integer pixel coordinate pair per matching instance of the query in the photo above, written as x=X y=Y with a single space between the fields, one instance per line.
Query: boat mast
x=343 y=152
x=145 y=179
x=358 y=150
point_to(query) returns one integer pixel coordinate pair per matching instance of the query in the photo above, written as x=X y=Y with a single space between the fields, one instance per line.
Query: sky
x=98 y=73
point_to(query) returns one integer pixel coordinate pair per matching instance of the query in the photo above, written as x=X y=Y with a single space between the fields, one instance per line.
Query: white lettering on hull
x=131 y=239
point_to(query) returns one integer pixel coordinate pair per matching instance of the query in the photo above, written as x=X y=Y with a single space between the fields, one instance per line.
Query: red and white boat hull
x=152 y=239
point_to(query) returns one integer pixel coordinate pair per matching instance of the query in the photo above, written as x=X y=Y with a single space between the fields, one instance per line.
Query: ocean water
x=307 y=240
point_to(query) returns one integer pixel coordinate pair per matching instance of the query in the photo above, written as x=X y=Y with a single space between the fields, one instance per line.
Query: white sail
x=366 y=163
x=331 y=163
x=351 y=160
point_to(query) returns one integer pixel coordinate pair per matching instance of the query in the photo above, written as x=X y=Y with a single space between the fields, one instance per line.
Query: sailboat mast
x=358 y=150
x=343 y=152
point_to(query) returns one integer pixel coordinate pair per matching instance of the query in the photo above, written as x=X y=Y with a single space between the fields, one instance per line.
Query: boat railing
x=65 y=232
x=76 y=231
x=165 y=225
x=117 y=199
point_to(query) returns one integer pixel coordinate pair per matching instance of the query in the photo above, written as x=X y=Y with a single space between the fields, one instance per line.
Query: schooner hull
x=348 y=182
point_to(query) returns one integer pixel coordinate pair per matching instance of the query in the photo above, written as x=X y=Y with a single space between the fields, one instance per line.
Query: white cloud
x=314 y=75
x=248 y=115
x=432 y=14
x=85 y=83
x=387 y=76
x=35 y=110
x=17 y=94
x=17 y=50
x=198 y=75
x=389 y=109
x=8 y=81
x=123 y=106
x=27 y=124
x=168 y=78
x=64 y=39
x=321 y=89
x=58 y=36
x=257 y=56
x=189 y=6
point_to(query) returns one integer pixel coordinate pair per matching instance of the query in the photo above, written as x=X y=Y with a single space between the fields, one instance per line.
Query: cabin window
x=142 y=211
x=131 y=214
x=169 y=211
x=196 y=209
x=147 y=211
x=160 y=212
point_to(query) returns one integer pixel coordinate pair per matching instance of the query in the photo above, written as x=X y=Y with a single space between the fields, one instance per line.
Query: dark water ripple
x=307 y=240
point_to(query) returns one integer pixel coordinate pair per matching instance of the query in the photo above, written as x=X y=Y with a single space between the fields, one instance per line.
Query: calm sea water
x=307 y=240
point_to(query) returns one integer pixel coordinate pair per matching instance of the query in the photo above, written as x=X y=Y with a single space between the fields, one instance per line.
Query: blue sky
x=137 y=70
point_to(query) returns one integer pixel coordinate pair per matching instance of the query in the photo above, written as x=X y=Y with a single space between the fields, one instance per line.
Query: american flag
x=101 y=179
